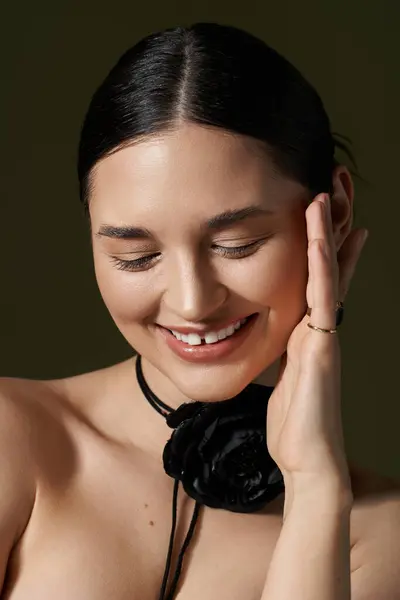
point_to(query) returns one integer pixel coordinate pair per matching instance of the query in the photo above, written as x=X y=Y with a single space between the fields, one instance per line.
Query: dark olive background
x=52 y=319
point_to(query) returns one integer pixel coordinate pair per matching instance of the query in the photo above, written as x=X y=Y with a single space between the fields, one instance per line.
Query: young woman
x=210 y=465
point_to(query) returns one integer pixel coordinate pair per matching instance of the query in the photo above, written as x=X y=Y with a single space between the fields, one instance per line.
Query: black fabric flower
x=219 y=452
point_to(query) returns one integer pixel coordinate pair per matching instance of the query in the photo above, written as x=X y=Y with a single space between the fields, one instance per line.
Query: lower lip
x=208 y=352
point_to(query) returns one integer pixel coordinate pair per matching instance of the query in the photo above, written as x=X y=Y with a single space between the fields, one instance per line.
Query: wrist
x=333 y=495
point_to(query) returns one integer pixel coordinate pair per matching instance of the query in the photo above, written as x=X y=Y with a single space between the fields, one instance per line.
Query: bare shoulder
x=375 y=519
x=27 y=411
x=35 y=394
x=15 y=408
x=51 y=414
x=17 y=472
x=376 y=530
x=41 y=414
x=375 y=495
x=372 y=488
x=25 y=400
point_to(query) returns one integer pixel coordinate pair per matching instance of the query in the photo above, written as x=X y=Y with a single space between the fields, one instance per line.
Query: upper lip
x=203 y=330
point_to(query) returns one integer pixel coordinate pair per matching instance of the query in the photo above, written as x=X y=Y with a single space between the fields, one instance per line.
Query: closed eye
x=145 y=262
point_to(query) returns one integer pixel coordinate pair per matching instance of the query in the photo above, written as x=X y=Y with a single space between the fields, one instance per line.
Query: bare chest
x=103 y=532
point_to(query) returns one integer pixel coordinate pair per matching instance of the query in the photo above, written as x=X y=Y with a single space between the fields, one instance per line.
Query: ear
x=342 y=204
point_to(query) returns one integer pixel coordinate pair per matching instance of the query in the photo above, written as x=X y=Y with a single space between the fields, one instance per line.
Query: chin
x=210 y=394
x=217 y=385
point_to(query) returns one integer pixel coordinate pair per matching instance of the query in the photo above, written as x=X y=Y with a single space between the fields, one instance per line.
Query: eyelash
x=144 y=261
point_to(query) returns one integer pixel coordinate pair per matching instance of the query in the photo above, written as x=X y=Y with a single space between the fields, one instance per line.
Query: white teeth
x=194 y=339
x=211 y=337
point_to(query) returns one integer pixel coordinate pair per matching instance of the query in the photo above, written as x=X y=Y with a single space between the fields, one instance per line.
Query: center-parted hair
x=213 y=75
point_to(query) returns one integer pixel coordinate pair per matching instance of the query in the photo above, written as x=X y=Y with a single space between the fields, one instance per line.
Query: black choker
x=218 y=450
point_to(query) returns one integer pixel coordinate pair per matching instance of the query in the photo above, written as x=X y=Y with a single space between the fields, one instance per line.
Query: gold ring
x=339 y=318
x=320 y=329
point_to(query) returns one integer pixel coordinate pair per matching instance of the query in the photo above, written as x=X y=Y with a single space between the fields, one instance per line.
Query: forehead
x=194 y=171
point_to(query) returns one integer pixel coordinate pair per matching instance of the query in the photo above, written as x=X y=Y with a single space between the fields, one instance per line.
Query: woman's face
x=187 y=272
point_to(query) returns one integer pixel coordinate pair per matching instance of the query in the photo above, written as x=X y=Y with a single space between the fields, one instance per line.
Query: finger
x=323 y=307
x=331 y=242
x=320 y=226
x=330 y=235
x=322 y=265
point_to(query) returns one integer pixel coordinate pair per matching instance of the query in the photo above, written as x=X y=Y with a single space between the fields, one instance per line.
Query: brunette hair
x=219 y=76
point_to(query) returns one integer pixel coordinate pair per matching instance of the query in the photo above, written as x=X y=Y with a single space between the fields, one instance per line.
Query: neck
x=152 y=430
x=169 y=394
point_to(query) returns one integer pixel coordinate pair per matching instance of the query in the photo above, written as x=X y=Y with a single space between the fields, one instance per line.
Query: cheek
x=288 y=297
x=127 y=296
x=283 y=290
x=289 y=278
x=276 y=276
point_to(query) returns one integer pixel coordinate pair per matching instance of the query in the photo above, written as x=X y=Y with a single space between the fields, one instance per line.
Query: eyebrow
x=225 y=219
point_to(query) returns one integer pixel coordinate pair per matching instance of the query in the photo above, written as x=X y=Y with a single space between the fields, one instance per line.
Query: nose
x=193 y=291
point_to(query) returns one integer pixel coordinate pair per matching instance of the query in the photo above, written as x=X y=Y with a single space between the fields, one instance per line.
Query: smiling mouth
x=212 y=337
